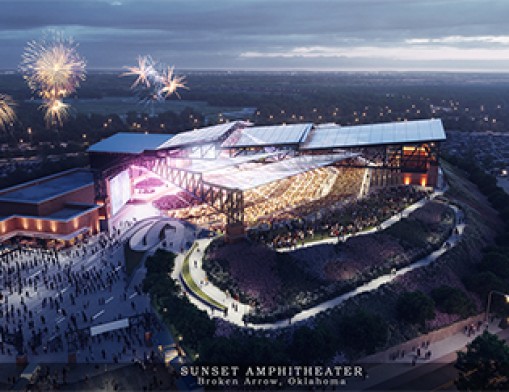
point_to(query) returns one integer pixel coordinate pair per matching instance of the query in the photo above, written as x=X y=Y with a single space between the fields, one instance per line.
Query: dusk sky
x=270 y=34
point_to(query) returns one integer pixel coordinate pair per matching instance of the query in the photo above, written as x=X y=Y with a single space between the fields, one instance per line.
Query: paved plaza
x=54 y=298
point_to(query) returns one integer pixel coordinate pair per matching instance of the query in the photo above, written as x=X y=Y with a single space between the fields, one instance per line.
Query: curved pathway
x=235 y=316
x=149 y=235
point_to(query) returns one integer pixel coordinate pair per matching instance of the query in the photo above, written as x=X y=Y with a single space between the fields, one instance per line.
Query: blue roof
x=131 y=143
x=48 y=187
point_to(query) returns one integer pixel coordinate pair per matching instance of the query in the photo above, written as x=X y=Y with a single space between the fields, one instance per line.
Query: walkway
x=175 y=241
x=442 y=351
x=200 y=278
x=235 y=317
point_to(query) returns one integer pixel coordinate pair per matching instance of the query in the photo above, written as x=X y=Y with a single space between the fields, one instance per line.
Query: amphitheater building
x=229 y=177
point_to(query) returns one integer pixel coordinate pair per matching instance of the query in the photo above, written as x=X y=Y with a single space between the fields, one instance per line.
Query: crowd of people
x=341 y=221
x=175 y=202
x=50 y=299
x=148 y=185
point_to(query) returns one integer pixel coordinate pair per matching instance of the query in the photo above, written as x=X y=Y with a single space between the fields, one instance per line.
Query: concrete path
x=443 y=351
x=236 y=309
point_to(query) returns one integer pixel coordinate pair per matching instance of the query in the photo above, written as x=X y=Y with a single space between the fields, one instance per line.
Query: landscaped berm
x=280 y=284
x=431 y=246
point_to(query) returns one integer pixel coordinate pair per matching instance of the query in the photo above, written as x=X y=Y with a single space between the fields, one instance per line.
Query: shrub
x=415 y=307
x=497 y=263
x=194 y=324
x=482 y=283
x=453 y=301
x=312 y=344
x=363 y=332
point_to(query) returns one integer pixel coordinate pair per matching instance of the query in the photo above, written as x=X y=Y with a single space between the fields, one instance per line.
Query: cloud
x=459 y=39
x=419 y=53
x=275 y=33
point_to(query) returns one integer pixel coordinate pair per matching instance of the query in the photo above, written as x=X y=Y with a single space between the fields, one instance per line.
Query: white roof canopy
x=240 y=134
x=266 y=173
x=202 y=135
x=268 y=136
x=335 y=136
x=207 y=165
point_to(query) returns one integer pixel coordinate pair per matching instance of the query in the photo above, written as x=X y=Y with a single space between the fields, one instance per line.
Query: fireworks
x=144 y=71
x=155 y=81
x=53 y=70
x=56 y=111
x=7 y=115
x=171 y=83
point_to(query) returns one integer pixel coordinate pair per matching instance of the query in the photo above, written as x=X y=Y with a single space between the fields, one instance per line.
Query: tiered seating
x=202 y=215
x=348 y=182
x=286 y=195
x=293 y=197
x=261 y=194
x=350 y=218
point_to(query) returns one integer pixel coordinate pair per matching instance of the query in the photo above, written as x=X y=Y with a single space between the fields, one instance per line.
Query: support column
x=235 y=232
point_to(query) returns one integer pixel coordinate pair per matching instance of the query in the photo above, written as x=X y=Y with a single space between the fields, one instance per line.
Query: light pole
x=506 y=296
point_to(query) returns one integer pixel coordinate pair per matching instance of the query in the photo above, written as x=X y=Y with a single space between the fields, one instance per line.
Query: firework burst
x=154 y=81
x=144 y=72
x=171 y=83
x=55 y=112
x=53 y=70
x=7 y=115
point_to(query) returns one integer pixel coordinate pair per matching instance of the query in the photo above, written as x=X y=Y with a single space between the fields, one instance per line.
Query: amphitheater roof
x=268 y=136
x=267 y=173
x=207 y=165
x=131 y=143
x=202 y=135
x=335 y=136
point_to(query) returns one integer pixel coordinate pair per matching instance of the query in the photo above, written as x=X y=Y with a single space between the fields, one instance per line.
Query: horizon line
x=304 y=70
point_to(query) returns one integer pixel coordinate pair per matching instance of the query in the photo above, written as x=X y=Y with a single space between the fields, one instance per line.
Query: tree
x=309 y=345
x=496 y=263
x=452 y=300
x=415 y=307
x=485 y=365
x=242 y=350
x=363 y=332
x=482 y=283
